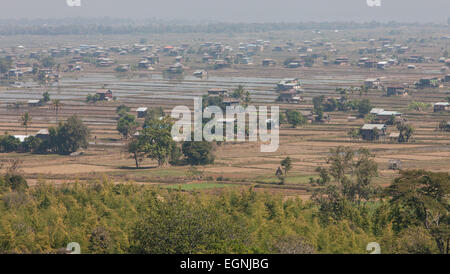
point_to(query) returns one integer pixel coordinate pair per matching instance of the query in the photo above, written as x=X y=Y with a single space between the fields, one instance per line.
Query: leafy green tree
x=242 y=94
x=420 y=198
x=5 y=65
x=198 y=153
x=156 y=140
x=330 y=104
x=353 y=173
x=100 y=241
x=69 y=136
x=364 y=107
x=122 y=109
x=179 y=226
x=406 y=131
x=31 y=144
x=295 y=118
x=15 y=182
x=418 y=106
x=46 y=97
x=153 y=116
x=286 y=163
x=127 y=125
x=9 y=143
x=137 y=149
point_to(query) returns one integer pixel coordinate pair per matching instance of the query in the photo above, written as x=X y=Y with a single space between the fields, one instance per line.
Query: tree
x=48 y=62
x=25 y=121
x=57 y=105
x=330 y=104
x=69 y=136
x=120 y=110
x=364 y=107
x=179 y=226
x=9 y=143
x=198 y=153
x=156 y=141
x=31 y=144
x=137 y=150
x=100 y=241
x=5 y=65
x=295 y=118
x=127 y=125
x=418 y=106
x=406 y=132
x=242 y=94
x=46 y=97
x=354 y=133
x=353 y=172
x=419 y=198
x=154 y=115
x=318 y=107
x=286 y=163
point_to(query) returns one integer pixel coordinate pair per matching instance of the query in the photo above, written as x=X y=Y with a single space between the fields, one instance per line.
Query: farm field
x=235 y=163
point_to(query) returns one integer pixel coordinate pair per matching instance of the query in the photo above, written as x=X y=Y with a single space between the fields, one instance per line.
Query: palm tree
x=57 y=105
x=25 y=121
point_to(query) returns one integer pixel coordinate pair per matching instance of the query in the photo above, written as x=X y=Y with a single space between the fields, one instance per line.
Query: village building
x=428 y=83
x=396 y=91
x=372 y=83
x=142 y=112
x=386 y=115
x=230 y=102
x=104 y=94
x=42 y=134
x=268 y=62
x=441 y=106
x=371 y=132
x=34 y=103
x=395 y=164
x=217 y=92
x=290 y=96
x=176 y=68
x=288 y=84
x=200 y=73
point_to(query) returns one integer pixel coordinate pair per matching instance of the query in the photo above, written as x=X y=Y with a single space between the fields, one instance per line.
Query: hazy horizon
x=245 y=11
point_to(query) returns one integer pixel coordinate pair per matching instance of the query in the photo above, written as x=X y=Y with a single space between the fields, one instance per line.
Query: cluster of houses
x=378 y=127
x=289 y=90
x=223 y=93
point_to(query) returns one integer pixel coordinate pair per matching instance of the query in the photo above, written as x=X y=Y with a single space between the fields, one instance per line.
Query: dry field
x=236 y=163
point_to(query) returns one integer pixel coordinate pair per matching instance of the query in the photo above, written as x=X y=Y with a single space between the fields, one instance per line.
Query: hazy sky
x=234 y=10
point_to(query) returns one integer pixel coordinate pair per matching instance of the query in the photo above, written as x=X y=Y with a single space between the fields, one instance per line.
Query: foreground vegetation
x=410 y=217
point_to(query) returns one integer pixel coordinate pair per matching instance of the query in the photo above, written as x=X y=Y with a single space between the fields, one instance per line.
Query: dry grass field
x=236 y=163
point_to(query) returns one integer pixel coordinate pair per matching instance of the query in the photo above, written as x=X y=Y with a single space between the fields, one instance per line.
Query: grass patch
x=197 y=186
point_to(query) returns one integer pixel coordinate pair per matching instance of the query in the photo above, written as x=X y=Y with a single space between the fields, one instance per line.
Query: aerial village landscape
x=363 y=109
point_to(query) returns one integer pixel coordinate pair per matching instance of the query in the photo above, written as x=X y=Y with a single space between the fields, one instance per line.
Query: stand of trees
x=66 y=138
x=411 y=216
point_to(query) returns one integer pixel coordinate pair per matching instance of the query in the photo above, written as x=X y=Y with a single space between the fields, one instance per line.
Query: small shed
x=142 y=112
x=395 y=164
x=372 y=132
x=33 y=103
